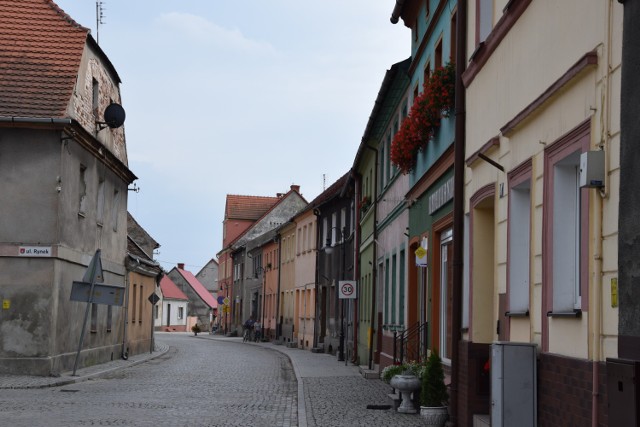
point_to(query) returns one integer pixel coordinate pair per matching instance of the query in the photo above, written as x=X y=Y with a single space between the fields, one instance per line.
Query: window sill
x=576 y=313
x=517 y=313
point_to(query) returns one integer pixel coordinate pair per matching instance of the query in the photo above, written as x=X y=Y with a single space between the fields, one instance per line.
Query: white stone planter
x=406 y=384
x=435 y=416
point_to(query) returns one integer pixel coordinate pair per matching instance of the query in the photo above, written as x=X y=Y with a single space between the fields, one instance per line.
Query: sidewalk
x=305 y=365
x=27 y=381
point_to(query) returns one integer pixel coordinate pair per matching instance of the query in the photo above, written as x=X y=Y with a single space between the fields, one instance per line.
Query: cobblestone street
x=206 y=381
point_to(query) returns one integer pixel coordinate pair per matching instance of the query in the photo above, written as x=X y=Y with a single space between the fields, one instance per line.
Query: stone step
x=481 y=420
x=368 y=373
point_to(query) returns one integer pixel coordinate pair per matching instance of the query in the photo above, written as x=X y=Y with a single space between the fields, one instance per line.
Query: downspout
x=316 y=213
x=356 y=268
x=278 y=324
x=374 y=206
x=458 y=206
x=598 y=282
x=125 y=352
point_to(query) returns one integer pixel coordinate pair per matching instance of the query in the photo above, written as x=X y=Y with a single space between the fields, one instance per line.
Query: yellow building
x=541 y=194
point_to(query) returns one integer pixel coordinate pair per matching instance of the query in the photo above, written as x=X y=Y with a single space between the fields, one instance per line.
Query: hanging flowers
x=435 y=102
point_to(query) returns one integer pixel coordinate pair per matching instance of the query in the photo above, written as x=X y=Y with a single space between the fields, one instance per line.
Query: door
x=446 y=297
x=168 y=314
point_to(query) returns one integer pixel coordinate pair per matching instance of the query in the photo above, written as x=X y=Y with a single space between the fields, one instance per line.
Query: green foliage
x=409 y=368
x=434 y=391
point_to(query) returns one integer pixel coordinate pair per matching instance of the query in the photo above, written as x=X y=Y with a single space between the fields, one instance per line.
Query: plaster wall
x=594 y=95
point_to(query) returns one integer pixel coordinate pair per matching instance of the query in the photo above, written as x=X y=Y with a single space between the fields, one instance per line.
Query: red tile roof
x=199 y=288
x=40 y=52
x=248 y=207
x=170 y=290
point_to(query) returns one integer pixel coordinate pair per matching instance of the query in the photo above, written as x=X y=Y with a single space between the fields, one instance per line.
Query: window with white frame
x=180 y=312
x=565 y=225
x=566 y=234
x=519 y=246
x=484 y=19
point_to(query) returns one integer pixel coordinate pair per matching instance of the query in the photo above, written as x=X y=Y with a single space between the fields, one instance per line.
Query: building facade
x=64 y=196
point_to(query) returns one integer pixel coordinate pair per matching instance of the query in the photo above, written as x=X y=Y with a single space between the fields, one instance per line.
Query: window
x=402 y=288
x=180 y=312
x=100 y=202
x=566 y=221
x=425 y=77
x=95 y=97
x=82 y=204
x=566 y=235
x=484 y=19
x=453 y=36
x=115 y=209
x=109 y=318
x=388 y=290
x=437 y=61
x=133 y=303
x=157 y=311
x=519 y=240
x=394 y=290
x=94 y=318
x=140 y=304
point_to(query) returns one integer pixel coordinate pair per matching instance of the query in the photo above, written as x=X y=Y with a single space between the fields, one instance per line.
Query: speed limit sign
x=347 y=289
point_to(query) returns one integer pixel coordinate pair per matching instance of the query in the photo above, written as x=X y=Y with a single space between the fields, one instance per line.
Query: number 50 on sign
x=347 y=289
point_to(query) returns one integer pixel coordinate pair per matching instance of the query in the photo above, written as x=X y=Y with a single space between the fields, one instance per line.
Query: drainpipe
x=374 y=206
x=598 y=282
x=316 y=327
x=458 y=206
x=278 y=324
x=125 y=353
x=356 y=270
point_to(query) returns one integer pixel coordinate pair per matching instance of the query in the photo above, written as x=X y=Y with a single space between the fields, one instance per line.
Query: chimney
x=295 y=188
x=181 y=265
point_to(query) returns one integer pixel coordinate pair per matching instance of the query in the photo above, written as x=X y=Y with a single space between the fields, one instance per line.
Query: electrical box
x=513 y=384
x=592 y=169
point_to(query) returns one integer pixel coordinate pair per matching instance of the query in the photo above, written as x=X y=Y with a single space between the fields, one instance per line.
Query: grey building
x=64 y=187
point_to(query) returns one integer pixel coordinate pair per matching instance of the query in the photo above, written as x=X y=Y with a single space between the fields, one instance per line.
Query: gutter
x=35 y=120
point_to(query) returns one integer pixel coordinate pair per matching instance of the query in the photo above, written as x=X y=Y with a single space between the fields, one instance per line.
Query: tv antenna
x=99 y=18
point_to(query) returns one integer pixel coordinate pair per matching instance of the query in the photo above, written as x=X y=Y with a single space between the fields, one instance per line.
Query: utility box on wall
x=513 y=385
x=622 y=391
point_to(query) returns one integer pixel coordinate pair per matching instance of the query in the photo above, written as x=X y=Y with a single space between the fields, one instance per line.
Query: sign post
x=153 y=299
x=92 y=275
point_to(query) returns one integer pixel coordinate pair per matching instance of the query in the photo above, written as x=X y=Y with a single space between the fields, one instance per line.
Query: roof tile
x=40 y=52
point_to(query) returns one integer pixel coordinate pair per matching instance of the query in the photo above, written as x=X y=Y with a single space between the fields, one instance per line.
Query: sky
x=238 y=97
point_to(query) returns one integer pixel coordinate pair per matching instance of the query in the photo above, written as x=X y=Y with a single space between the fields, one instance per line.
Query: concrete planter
x=435 y=416
x=406 y=384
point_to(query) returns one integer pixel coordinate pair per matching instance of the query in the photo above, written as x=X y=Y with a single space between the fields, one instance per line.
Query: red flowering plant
x=435 y=102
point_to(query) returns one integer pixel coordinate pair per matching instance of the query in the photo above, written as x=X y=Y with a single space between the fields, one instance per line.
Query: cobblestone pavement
x=207 y=380
x=195 y=383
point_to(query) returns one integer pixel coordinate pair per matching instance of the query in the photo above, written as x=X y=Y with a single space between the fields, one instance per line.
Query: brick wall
x=564 y=391
x=474 y=390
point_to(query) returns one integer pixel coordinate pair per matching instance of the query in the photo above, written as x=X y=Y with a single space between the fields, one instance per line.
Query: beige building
x=541 y=193
x=305 y=280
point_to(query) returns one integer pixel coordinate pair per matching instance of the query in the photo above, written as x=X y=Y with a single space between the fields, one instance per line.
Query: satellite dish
x=114 y=115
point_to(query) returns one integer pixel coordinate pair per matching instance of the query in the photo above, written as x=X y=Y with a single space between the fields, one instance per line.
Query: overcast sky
x=222 y=95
